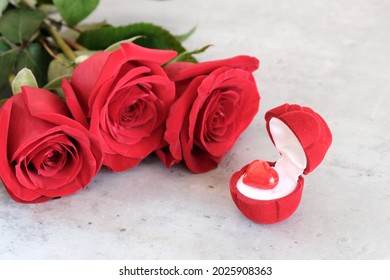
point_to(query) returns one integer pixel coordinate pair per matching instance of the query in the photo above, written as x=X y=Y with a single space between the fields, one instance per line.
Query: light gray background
x=333 y=56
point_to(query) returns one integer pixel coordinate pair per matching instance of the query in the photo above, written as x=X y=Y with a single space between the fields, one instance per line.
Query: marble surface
x=331 y=55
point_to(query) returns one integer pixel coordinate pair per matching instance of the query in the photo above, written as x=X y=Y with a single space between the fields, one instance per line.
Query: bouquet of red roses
x=76 y=96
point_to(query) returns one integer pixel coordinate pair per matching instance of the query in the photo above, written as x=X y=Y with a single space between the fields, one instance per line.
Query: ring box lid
x=309 y=128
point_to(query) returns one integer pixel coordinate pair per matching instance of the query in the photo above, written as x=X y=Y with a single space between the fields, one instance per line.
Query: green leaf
x=2 y=101
x=19 y=25
x=37 y=60
x=74 y=11
x=60 y=67
x=73 y=35
x=183 y=56
x=47 y=9
x=117 y=45
x=30 y=3
x=8 y=58
x=56 y=83
x=24 y=78
x=154 y=37
x=4 y=46
x=3 y=5
x=85 y=52
x=185 y=36
x=45 y=2
x=63 y=67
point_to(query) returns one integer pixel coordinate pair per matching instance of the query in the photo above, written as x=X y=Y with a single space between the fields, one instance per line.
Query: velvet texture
x=265 y=211
x=309 y=127
x=44 y=153
x=315 y=137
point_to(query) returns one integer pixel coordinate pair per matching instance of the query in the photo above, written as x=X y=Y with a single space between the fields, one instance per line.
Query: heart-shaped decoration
x=260 y=175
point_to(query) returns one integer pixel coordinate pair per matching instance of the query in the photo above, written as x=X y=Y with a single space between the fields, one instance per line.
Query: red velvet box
x=302 y=138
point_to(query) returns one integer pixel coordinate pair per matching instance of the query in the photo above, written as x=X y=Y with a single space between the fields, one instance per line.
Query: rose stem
x=50 y=52
x=75 y=45
x=61 y=43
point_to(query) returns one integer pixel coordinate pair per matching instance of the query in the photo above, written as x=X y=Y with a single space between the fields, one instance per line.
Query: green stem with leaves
x=61 y=43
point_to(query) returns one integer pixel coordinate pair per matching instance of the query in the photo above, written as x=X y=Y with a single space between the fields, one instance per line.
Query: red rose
x=43 y=152
x=124 y=97
x=216 y=102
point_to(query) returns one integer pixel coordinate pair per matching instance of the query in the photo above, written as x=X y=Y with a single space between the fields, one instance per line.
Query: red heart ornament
x=260 y=175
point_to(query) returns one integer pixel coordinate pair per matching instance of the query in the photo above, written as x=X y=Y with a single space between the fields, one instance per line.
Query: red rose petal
x=39 y=101
x=74 y=104
x=46 y=163
x=23 y=128
x=246 y=63
x=174 y=69
x=85 y=77
x=177 y=116
x=136 y=52
x=118 y=163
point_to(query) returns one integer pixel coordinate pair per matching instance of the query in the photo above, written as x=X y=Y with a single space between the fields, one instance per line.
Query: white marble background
x=331 y=55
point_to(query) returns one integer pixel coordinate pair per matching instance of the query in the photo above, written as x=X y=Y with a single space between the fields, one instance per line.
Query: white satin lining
x=289 y=167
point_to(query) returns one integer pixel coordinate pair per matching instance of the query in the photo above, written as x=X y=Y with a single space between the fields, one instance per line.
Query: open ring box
x=302 y=137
